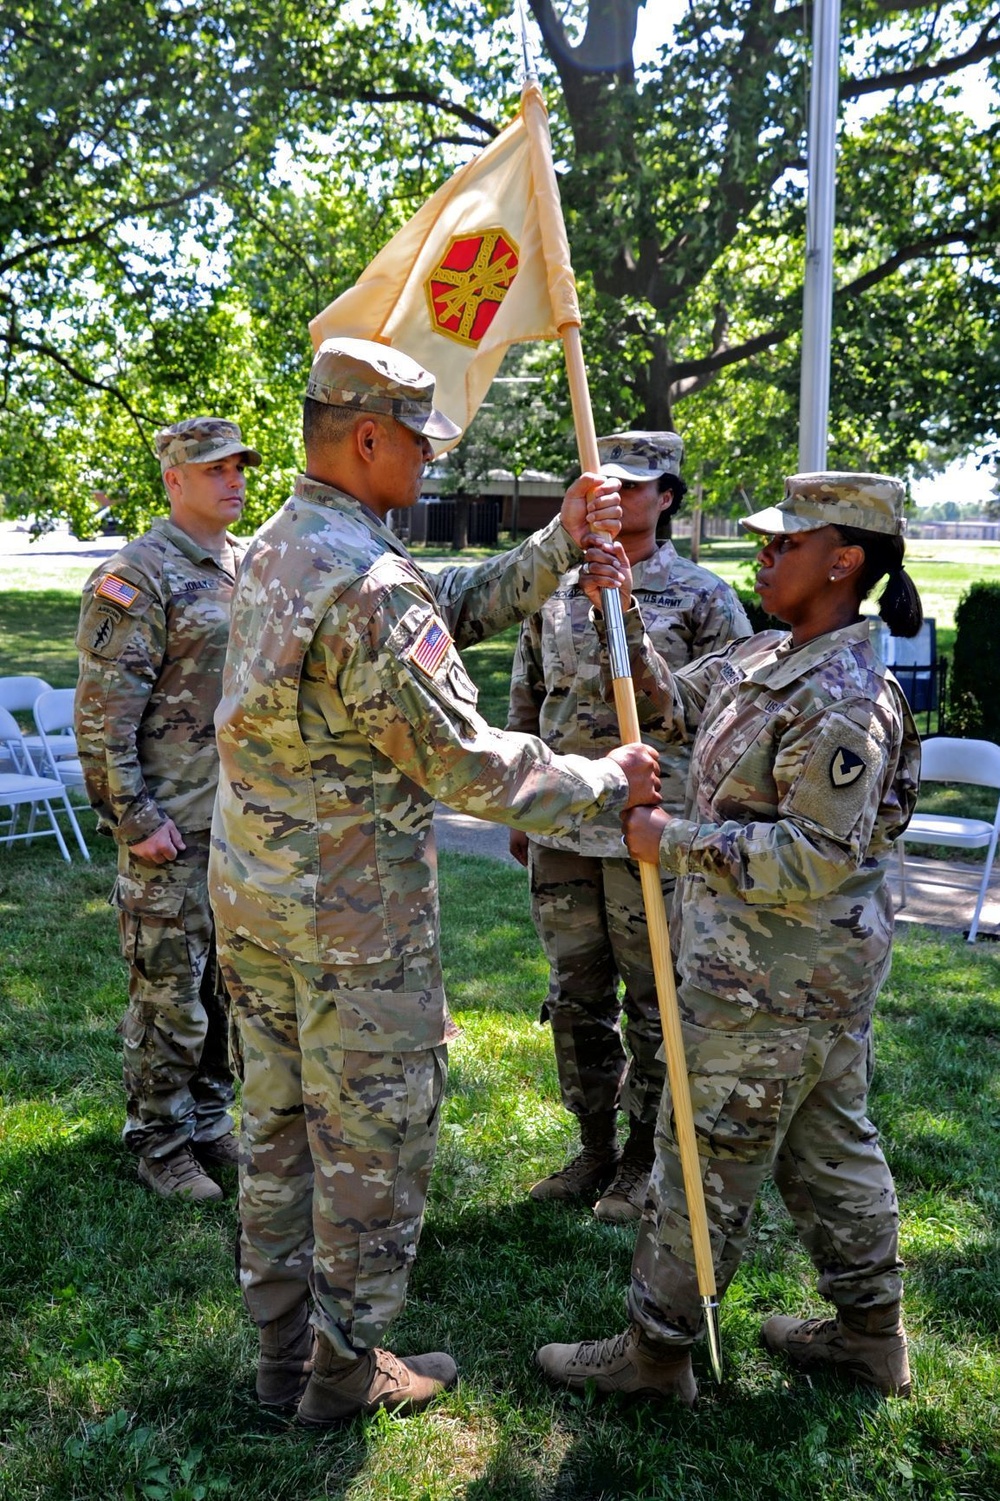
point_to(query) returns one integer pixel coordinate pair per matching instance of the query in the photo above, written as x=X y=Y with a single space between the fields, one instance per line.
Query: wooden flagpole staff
x=555 y=248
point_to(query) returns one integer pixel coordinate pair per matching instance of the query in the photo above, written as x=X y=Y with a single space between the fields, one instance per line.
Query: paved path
x=939 y=893
x=15 y=542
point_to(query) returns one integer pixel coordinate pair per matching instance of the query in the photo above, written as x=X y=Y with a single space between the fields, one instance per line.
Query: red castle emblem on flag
x=473 y=277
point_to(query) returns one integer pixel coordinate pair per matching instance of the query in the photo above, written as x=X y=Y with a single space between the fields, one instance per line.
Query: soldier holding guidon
x=346 y=711
x=804 y=770
x=586 y=895
x=152 y=640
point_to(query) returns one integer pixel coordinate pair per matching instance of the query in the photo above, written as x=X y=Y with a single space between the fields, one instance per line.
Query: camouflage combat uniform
x=346 y=710
x=152 y=640
x=586 y=895
x=804 y=770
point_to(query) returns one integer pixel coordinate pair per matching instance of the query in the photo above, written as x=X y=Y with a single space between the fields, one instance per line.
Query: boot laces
x=630 y=1180
x=595 y=1351
x=180 y=1168
x=810 y=1328
x=579 y=1173
x=389 y=1365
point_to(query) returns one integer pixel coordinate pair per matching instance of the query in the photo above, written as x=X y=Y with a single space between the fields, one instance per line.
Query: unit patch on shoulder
x=430 y=647
x=845 y=767
x=117 y=590
x=103 y=629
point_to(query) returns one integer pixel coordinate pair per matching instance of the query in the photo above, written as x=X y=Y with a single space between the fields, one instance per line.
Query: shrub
x=975 y=671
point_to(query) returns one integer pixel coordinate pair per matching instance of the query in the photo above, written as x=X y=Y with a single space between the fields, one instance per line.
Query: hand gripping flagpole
x=556 y=251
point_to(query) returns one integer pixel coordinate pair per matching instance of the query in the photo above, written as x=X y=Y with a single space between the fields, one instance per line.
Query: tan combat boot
x=625 y=1364
x=624 y=1198
x=591 y=1170
x=866 y=1344
x=285 y=1362
x=178 y=1176
x=224 y=1151
x=341 y=1388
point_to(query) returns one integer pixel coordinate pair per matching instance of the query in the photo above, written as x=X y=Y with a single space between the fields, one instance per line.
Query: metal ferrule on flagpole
x=617 y=644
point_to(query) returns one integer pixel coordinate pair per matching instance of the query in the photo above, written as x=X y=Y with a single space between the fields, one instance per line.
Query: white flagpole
x=817 y=301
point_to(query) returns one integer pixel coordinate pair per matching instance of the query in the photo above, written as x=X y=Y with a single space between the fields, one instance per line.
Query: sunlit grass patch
x=128 y=1359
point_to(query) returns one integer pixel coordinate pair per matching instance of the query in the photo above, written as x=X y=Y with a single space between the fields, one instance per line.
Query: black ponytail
x=899 y=603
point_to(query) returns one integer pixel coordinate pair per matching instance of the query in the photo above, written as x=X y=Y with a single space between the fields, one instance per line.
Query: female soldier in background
x=804 y=771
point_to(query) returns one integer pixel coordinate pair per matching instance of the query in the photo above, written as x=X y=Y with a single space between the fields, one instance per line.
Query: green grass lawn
x=128 y=1362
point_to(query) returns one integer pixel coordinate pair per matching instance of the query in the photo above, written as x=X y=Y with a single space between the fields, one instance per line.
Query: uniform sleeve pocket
x=835 y=788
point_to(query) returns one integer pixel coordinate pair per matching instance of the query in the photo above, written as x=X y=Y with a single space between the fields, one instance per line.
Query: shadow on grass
x=790 y=1436
x=38 y=632
x=129 y=1364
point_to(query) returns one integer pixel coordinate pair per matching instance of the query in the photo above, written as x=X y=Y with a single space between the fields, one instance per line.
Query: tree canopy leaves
x=185 y=183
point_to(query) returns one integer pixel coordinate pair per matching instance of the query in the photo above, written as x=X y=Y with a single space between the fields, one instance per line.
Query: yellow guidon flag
x=482 y=265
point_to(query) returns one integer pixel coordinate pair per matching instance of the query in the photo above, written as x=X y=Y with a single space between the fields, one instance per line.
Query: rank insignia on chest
x=117 y=590
x=845 y=767
x=430 y=648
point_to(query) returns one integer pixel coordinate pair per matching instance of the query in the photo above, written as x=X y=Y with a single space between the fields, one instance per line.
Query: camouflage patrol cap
x=201 y=440
x=375 y=378
x=871 y=502
x=640 y=456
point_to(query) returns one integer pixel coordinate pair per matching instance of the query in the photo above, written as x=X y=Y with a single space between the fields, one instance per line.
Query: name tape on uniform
x=117 y=590
x=430 y=648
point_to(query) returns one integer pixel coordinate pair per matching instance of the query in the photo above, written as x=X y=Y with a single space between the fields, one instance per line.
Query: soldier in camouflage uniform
x=346 y=711
x=586 y=894
x=804 y=772
x=152 y=638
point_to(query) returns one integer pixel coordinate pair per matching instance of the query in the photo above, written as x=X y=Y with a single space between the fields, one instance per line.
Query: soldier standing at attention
x=346 y=711
x=804 y=770
x=586 y=897
x=152 y=640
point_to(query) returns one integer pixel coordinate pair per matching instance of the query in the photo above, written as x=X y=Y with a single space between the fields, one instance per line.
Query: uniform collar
x=656 y=571
x=314 y=492
x=196 y=551
x=786 y=663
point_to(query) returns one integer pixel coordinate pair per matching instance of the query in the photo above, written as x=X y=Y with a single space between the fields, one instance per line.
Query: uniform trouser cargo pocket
x=744 y=1081
x=176 y=1074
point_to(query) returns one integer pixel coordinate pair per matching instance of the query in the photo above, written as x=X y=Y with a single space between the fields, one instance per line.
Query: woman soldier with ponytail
x=804 y=771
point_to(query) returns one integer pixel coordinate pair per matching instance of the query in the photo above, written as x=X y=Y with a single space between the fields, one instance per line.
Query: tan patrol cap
x=376 y=378
x=870 y=502
x=640 y=456
x=201 y=440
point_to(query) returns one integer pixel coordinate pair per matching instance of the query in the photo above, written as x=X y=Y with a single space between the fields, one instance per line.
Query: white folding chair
x=975 y=763
x=17 y=696
x=53 y=714
x=23 y=787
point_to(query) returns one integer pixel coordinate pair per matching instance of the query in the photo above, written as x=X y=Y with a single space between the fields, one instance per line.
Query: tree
x=186 y=182
x=686 y=200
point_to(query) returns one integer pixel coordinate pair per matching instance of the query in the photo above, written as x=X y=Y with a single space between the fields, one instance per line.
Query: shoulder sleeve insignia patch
x=117 y=590
x=430 y=647
x=845 y=767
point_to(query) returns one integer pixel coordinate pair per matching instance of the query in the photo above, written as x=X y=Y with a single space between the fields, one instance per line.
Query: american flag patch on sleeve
x=430 y=648
x=117 y=590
